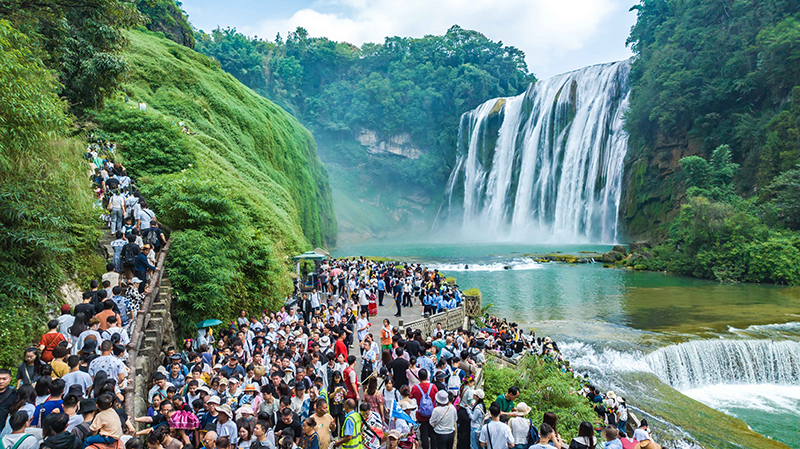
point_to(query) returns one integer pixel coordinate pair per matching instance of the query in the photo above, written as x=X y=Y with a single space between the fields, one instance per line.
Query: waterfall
x=545 y=164
x=709 y=362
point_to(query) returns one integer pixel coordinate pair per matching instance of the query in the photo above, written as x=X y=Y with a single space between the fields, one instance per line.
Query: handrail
x=138 y=328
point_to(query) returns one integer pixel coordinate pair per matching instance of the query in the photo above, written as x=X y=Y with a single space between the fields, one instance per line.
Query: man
x=496 y=434
x=351 y=433
x=399 y=366
x=232 y=367
x=87 y=411
x=506 y=401
x=60 y=439
x=142 y=265
x=340 y=347
x=315 y=303
x=113 y=328
x=108 y=311
x=65 y=321
x=129 y=255
x=144 y=217
x=210 y=440
x=160 y=387
x=350 y=379
x=362 y=327
x=155 y=237
x=86 y=307
x=90 y=333
x=226 y=427
x=289 y=420
x=54 y=402
x=325 y=422
x=59 y=364
x=611 y=433
x=77 y=377
x=107 y=362
x=18 y=439
x=262 y=432
x=398 y=298
x=123 y=305
x=381 y=290
x=427 y=390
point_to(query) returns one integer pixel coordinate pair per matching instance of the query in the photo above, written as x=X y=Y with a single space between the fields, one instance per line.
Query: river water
x=735 y=348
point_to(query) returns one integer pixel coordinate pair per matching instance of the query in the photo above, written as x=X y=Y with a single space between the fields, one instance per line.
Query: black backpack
x=128 y=256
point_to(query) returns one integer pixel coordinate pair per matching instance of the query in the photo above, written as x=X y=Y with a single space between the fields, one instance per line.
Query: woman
x=551 y=419
x=375 y=399
x=30 y=370
x=585 y=438
x=49 y=341
x=521 y=426
x=407 y=403
x=309 y=439
x=390 y=394
x=245 y=437
x=80 y=324
x=464 y=432
x=336 y=398
x=477 y=415
x=465 y=392
x=24 y=400
x=412 y=373
x=443 y=421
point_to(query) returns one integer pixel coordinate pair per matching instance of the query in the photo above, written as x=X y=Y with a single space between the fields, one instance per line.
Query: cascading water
x=547 y=163
x=710 y=362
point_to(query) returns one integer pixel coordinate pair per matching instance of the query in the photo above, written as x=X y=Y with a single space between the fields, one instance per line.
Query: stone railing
x=451 y=320
x=152 y=330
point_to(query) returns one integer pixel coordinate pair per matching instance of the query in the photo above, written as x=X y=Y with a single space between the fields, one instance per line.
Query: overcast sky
x=556 y=35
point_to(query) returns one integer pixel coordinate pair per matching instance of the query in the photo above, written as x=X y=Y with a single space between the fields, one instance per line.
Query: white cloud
x=544 y=29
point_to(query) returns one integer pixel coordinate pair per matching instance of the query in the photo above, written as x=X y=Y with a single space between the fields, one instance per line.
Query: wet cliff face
x=653 y=185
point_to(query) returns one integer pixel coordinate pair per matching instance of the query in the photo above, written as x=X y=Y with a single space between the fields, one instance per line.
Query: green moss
x=472 y=292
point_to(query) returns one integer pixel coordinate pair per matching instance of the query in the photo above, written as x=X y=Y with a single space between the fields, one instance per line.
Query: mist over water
x=544 y=166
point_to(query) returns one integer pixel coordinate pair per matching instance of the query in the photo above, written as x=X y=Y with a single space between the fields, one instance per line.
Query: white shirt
x=30 y=441
x=519 y=429
x=362 y=325
x=500 y=434
x=314 y=297
x=443 y=419
x=124 y=339
x=78 y=378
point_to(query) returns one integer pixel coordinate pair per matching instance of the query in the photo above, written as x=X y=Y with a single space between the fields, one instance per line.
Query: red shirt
x=50 y=341
x=340 y=348
x=417 y=393
x=352 y=388
x=628 y=444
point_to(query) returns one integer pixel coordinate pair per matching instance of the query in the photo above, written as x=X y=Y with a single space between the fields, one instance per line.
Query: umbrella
x=208 y=323
x=335 y=272
x=488 y=330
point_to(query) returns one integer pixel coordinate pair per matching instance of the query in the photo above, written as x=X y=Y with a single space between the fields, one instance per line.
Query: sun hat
x=226 y=409
x=223 y=381
x=250 y=387
x=218 y=366
x=442 y=398
x=214 y=400
x=245 y=410
x=523 y=408
x=393 y=434
x=611 y=395
x=136 y=280
x=479 y=393
x=325 y=341
x=203 y=389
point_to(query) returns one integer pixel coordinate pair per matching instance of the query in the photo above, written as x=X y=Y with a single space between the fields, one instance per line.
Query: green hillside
x=242 y=192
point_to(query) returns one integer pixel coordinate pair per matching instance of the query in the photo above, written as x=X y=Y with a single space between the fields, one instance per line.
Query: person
x=622 y=410
x=18 y=439
x=106 y=424
x=351 y=379
x=643 y=432
x=245 y=437
x=611 y=433
x=423 y=393
x=628 y=442
x=324 y=423
x=54 y=402
x=65 y=321
x=309 y=438
x=7 y=394
x=109 y=363
x=50 y=340
x=77 y=377
x=386 y=336
x=351 y=430
x=646 y=443
x=56 y=436
x=337 y=399
x=399 y=367
x=443 y=421
x=264 y=438
x=477 y=415
x=374 y=398
x=390 y=394
x=129 y=254
x=225 y=424
x=551 y=419
x=86 y=410
x=506 y=400
x=585 y=439
x=30 y=370
x=520 y=426
x=496 y=434
x=547 y=438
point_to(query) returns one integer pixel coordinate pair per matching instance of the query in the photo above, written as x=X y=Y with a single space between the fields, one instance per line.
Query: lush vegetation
x=545 y=388
x=404 y=87
x=719 y=235
x=48 y=231
x=242 y=192
x=167 y=17
x=709 y=73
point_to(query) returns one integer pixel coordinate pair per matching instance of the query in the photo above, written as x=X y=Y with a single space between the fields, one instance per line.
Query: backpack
x=128 y=256
x=17 y=444
x=533 y=434
x=426 y=403
x=152 y=237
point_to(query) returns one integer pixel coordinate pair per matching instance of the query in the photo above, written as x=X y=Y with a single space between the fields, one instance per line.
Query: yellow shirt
x=59 y=368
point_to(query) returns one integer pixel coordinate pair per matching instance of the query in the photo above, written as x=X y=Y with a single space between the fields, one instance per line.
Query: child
x=128 y=228
x=106 y=424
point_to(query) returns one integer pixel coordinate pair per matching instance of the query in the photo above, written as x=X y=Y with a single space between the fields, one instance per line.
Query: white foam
x=792 y=327
x=515 y=264
x=768 y=398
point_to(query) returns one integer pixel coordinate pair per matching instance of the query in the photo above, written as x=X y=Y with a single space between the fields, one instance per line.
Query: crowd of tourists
x=313 y=375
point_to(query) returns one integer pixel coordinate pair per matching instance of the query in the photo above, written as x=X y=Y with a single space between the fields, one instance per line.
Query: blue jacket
x=142 y=264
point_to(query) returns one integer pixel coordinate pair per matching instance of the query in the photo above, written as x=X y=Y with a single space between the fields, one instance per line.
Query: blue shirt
x=124 y=307
x=381 y=286
x=142 y=264
x=350 y=425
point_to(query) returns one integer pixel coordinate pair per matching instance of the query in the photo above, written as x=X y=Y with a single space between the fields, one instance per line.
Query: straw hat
x=611 y=395
x=226 y=409
x=250 y=388
x=523 y=408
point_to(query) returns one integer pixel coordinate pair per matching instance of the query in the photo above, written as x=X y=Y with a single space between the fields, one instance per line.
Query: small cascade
x=709 y=362
x=545 y=164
